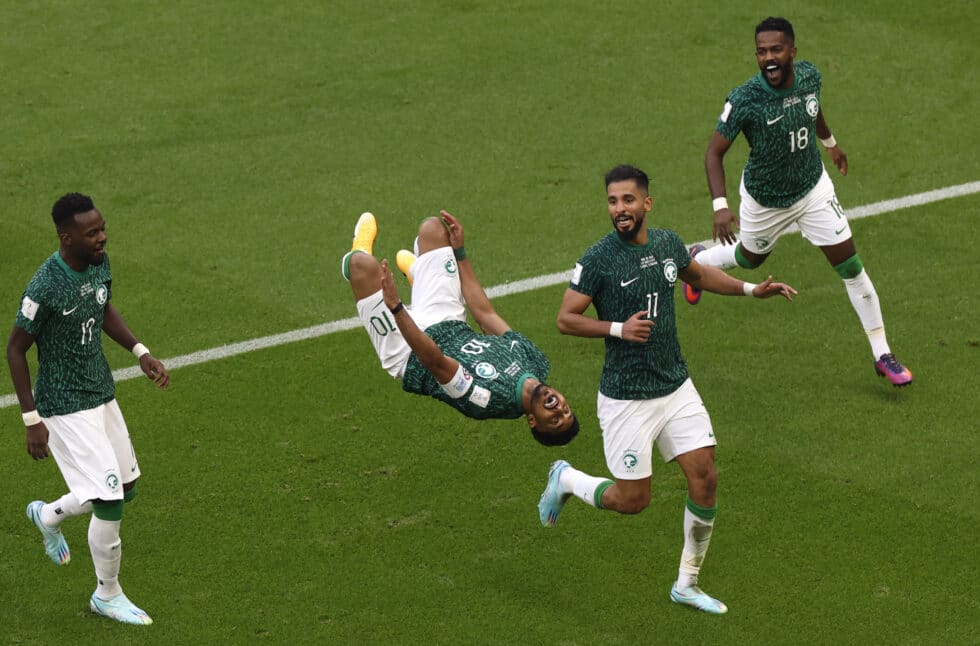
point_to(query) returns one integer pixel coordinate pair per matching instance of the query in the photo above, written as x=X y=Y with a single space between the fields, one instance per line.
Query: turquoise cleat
x=553 y=498
x=120 y=609
x=55 y=545
x=693 y=596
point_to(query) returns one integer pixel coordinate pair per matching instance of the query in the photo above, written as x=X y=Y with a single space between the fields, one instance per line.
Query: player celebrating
x=432 y=349
x=785 y=182
x=646 y=396
x=73 y=414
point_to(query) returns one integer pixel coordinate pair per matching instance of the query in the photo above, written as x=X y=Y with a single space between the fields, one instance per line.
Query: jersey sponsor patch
x=480 y=396
x=577 y=273
x=28 y=308
x=727 y=110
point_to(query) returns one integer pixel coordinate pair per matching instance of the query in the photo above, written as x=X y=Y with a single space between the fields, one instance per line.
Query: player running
x=784 y=181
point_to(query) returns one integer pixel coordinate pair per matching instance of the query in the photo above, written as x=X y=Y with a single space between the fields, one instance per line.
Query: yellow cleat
x=405 y=259
x=365 y=231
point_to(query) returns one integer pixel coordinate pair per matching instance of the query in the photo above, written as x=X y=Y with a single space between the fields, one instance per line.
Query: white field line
x=516 y=287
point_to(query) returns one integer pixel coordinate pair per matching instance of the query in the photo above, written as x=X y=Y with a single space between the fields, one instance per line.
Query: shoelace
x=891 y=363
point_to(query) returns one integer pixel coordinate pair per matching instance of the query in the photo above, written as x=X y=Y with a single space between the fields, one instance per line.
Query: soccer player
x=646 y=396
x=72 y=413
x=431 y=348
x=784 y=181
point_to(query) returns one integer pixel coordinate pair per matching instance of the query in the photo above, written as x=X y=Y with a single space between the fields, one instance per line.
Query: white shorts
x=437 y=296
x=678 y=423
x=93 y=451
x=818 y=215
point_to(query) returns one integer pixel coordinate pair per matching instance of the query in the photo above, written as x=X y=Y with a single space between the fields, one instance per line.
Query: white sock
x=721 y=256
x=697 y=536
x=864 y=299
x=106 y=548
x=54 y=513
x=581 y=485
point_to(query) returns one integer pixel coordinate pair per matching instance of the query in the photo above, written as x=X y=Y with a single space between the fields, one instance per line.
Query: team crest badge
x=101 y=294
x=629 y=461
x=450 y=266
x=670 y=271
x=812 y=105
x=485 y=370
x=112 y=481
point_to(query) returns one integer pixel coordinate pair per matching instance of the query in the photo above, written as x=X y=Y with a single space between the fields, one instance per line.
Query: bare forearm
x=424 y=348
x=714 y=168
x=581 y=325
x=718 y=282
x=114 y=326
x=20 y=374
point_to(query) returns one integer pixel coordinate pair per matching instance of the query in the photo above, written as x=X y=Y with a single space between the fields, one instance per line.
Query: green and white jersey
x=781 y=128
x=623 y=279
x=63 y=310
x=497 y=365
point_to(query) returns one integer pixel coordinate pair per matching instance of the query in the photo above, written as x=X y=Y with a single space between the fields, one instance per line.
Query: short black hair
x=557 y=439
x=625 y=172
x=776 y=24
x=68 y=206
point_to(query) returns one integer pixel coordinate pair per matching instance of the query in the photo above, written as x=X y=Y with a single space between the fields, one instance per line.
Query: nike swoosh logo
x=624 y=283
x=512 y=344
x=67 y=312
x=838 y=232
x=769 y=122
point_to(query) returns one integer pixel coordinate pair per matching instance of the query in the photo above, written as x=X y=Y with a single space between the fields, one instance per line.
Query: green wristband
x=460 y=253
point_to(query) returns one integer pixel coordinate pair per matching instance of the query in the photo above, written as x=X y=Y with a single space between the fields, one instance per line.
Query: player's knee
x=432 y=235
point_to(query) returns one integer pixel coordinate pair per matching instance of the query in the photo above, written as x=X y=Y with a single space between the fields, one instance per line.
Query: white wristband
x=719 y=203
x=31 y=417
x=139 y=350
x=829 y=142
x=748 y=287
x=616 y=330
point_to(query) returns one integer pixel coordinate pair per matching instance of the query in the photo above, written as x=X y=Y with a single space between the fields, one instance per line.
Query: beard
x=629 y=235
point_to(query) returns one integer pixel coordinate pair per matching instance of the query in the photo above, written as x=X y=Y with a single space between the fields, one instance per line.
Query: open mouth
x=550 y=402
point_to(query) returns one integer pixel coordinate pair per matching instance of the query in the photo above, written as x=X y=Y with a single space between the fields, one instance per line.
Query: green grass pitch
x=296 y=495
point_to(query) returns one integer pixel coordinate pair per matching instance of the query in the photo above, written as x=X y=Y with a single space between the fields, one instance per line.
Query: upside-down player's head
x=551 y=420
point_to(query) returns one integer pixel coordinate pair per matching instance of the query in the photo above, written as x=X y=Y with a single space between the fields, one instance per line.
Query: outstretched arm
x=114 y=325
x=714 y=168
x=717 y=281
x=477 y=301
x=443 y=368
x=572 y=320
x=838 y=156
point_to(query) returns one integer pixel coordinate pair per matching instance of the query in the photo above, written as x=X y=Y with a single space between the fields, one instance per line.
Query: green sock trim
x=850 y=268
x=706 y=513
x=599 y=491
x=108 y=509
x=129 y=494
x=743 y=261
x=345 y=268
